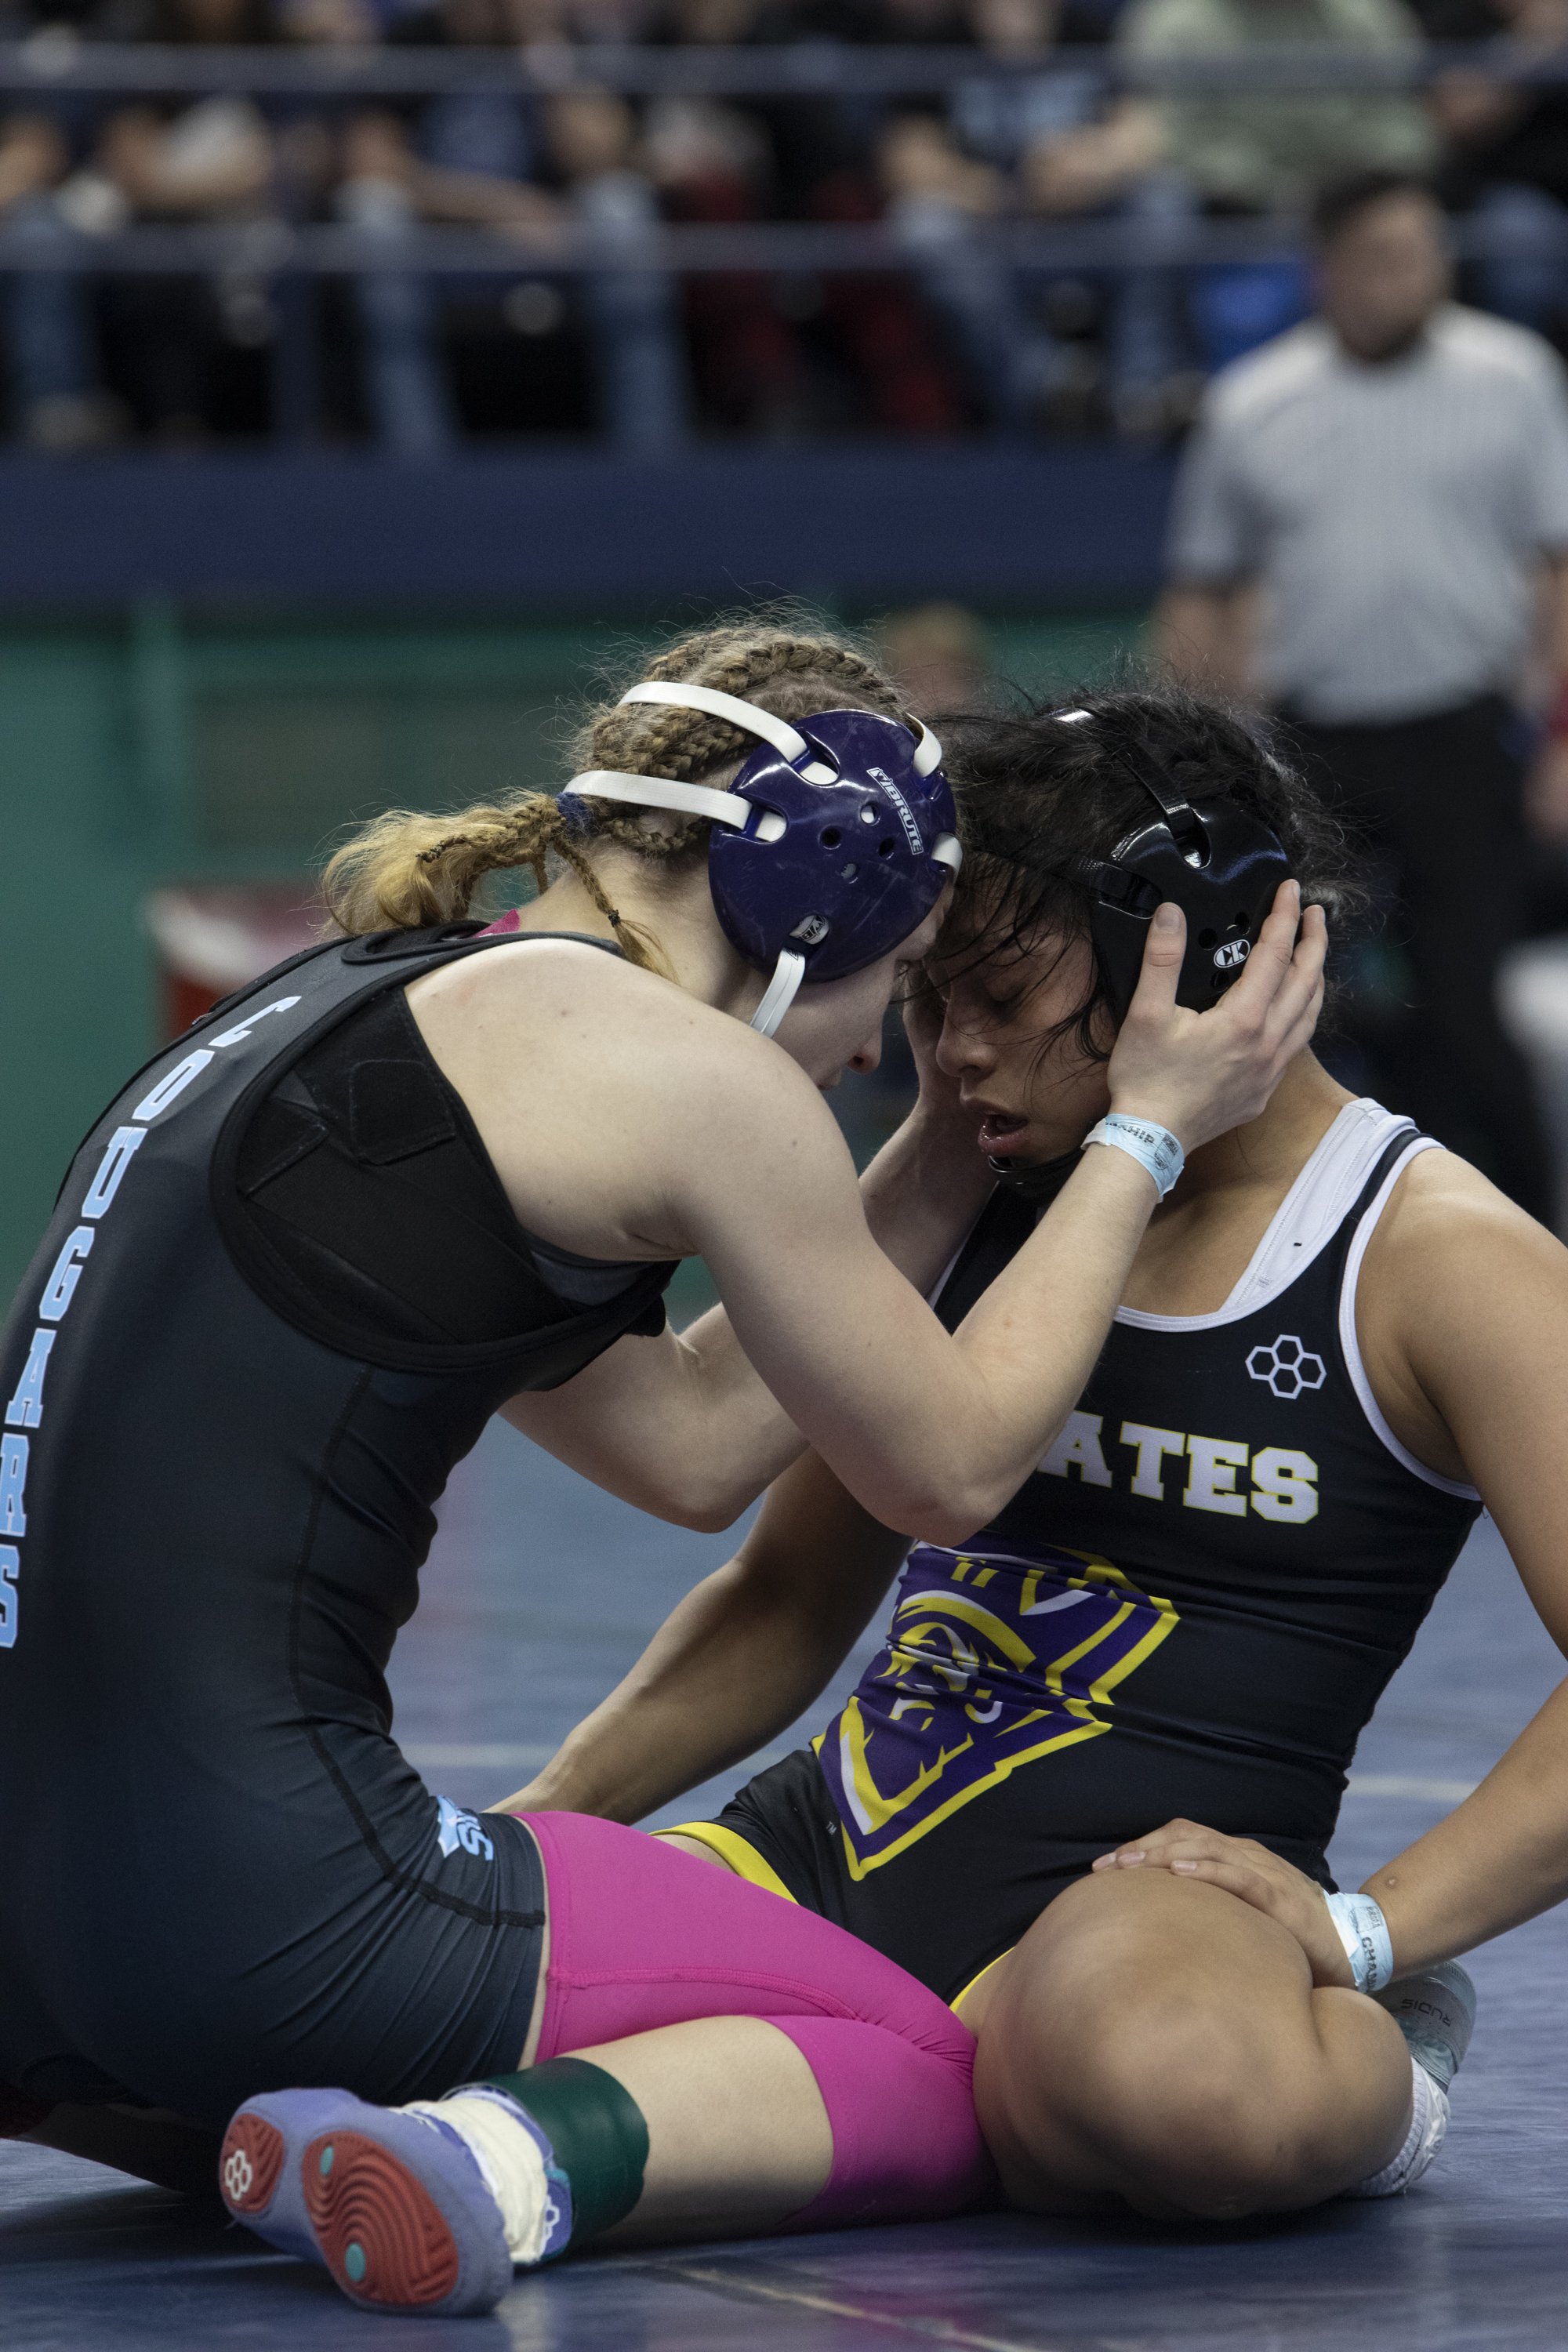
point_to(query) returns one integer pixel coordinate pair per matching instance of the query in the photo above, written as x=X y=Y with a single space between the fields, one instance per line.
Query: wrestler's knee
x=1194 y=2115
x=1116 y=2065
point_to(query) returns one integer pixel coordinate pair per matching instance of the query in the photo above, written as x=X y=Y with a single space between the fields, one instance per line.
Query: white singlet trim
x=1304 y=1223
x=1351 y=1345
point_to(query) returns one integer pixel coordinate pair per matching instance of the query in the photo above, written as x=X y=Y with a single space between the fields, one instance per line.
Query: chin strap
x=779 y=995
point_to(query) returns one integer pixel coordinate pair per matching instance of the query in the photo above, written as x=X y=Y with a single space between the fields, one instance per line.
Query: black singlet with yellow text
x=281 y=1296
x=1191 y=1609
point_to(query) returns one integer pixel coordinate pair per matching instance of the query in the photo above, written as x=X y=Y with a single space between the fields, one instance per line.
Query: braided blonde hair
x=407 y=870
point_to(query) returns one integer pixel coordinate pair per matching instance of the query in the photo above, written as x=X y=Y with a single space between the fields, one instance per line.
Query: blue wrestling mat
x=520 y=1633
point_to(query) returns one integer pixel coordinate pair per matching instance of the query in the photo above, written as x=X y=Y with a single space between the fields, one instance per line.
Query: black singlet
x=1191 y=1609
x=282 y=1295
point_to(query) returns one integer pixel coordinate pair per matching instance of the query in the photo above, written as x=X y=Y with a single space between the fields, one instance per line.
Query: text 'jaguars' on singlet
x=1189 y=1608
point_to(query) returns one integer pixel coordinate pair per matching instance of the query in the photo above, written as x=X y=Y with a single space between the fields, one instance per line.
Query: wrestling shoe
x=1436 y=2011
x=394 y=2202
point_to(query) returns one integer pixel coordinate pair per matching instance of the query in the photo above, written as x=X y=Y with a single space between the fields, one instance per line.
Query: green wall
x=157 y=747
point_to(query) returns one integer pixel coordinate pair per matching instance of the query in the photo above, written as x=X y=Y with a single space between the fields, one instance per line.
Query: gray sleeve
x=1547 y=462
x=1214 y=536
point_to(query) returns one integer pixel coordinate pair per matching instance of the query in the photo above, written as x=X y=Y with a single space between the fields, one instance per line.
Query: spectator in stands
x=1172 y=159
x=1393 y=478
x=1056 y=85
x=944 y=181
x=207 y=160
x=712 y=163
x=937 y=200
x=874 y=356
x=388 y=186
x=634 y=313
x=1508 y=158
x=56 y=398
x=466 y=158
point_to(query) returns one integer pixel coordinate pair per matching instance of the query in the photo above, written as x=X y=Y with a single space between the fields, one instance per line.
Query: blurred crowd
x=956 y=340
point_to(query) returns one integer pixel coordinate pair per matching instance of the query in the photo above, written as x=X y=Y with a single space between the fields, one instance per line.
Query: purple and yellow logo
x=991 y=1662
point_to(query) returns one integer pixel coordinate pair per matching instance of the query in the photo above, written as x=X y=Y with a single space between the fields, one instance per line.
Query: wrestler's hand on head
x=1250 y=1872
x=1201 y=1074
x=939 y=1102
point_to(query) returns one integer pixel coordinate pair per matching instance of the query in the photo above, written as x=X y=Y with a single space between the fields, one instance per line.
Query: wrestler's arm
x=1483 y=1354
x=931 y=1434
x=735 y=1662
x=1463 y=1321
x=920 y=1196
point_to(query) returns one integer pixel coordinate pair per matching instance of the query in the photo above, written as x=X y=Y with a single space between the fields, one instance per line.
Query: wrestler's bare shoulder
x=1456 y=1277
x=539 y=996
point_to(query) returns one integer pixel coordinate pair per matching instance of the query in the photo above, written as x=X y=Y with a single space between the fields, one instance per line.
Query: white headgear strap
x=783 y=738
x=663 y=792
x=779 y=993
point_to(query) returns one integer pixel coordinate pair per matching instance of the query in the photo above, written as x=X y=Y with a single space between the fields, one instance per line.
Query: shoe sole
x=379 y=2231
x=250 y=2165
x=394 y=2207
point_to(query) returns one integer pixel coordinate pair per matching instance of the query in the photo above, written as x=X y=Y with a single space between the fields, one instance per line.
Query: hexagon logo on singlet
x=991 y=1662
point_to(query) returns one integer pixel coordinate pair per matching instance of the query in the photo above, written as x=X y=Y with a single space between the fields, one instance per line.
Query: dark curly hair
x=1035 y=795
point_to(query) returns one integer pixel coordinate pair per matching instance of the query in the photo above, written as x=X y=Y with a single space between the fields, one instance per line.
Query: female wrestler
x=1333 y=1341
x=414 y=1177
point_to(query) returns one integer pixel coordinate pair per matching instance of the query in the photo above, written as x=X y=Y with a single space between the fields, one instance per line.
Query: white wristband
x=1153 y=1148
x=1363 y=1932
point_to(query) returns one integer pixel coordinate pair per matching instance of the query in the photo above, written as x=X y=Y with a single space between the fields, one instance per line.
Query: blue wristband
x=1153 y=1148
x=1363 y=1932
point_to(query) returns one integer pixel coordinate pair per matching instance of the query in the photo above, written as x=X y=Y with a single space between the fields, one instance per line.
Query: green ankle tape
x=597 y=2134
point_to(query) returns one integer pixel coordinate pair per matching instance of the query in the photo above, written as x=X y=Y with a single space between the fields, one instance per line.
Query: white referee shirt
x=1393 y=514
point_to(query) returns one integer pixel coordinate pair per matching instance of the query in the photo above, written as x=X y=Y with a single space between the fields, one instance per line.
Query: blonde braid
x=407 y=871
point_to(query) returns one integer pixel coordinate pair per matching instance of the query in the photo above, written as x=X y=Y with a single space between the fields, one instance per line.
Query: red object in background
x=889 y=335
x=212 y=940
x=745 y=357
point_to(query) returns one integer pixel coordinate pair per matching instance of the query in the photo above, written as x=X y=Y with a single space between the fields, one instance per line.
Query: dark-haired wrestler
x=1333 y=1342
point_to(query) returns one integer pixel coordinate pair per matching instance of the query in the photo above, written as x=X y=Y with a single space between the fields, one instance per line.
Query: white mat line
x=1408 y=1784
x=902 y=2322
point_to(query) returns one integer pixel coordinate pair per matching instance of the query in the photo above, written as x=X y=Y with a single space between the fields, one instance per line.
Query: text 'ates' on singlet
x=282 y=1295
x=1191 y=1608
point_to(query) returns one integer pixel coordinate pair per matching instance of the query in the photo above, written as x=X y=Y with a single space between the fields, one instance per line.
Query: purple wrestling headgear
x=833 y=844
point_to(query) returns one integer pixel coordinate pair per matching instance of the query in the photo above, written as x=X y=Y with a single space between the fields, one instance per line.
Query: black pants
x=1435 y=803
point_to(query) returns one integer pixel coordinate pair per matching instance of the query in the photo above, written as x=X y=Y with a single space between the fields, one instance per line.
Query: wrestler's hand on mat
x=1248 y=1871
x=1201 y=1074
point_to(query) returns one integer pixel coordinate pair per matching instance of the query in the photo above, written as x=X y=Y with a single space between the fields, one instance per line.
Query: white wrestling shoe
x=1436 y=2014
x=422 y=2208
x=1436 y=2011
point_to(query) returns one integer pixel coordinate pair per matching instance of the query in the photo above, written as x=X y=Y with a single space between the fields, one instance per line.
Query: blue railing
x=56 y=61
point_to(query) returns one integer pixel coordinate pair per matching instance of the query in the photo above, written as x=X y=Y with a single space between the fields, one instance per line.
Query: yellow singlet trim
x=732 y=1849
x=956 y=2004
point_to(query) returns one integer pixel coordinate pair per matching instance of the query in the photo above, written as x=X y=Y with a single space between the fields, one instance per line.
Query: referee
x=1363 y=522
